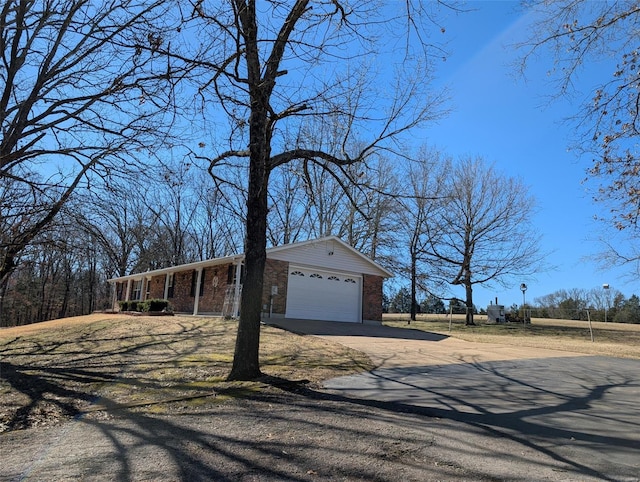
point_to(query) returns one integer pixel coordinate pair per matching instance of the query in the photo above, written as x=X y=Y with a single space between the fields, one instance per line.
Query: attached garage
x=315 y=294
x=325 y=279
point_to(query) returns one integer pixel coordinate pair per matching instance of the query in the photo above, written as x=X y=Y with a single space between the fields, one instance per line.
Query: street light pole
x=605 y=287
x=523 y=288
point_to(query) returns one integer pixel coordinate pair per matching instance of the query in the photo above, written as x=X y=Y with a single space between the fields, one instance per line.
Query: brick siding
x=156 y=290
x=275 y=274
x=372 y=297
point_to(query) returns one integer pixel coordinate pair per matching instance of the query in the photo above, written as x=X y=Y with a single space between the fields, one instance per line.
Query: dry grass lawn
x=94 y=364
x=609 y=339
x=55 y=370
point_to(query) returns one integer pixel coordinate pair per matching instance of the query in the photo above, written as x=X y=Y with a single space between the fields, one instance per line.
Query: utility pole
x=605 y=287
x=523 y=288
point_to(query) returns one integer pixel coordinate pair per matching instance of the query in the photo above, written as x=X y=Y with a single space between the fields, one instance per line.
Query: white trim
x=237 y=292
x=196 y=300
x=166 y=285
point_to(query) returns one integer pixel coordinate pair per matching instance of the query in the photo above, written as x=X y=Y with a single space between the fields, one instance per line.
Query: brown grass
x=54 y=370
x=609 y=339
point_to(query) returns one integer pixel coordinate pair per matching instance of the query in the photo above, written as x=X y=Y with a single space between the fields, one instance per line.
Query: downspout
x=196 y=300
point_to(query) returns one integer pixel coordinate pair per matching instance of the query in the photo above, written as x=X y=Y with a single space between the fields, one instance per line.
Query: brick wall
x=372 y=297
x=156 y=290
x=215 y=284
x=275 y=274
x=182 y=299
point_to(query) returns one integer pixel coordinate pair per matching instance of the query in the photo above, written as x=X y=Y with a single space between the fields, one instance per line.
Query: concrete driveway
x=581 y=412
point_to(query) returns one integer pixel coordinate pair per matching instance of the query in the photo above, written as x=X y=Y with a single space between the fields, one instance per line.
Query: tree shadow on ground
x=293 y=430
x=297 y=432
x=331 y=328
x=536 y=426
x=45 y=381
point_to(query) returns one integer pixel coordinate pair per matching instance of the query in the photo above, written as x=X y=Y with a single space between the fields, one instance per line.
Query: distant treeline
x=597 y=304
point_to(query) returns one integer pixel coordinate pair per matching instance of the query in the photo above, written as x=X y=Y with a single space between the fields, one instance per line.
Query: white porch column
x=166 y=285
x=114 y=296
x=236 y=294
x=196 y=300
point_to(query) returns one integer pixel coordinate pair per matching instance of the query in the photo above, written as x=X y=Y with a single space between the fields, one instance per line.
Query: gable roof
x=329 y=252
x=343 y=257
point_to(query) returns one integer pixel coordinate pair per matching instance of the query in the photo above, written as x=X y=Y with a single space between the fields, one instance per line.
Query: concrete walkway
x=581 y=411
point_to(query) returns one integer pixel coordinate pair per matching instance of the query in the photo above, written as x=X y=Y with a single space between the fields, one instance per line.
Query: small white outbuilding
x=495 y=314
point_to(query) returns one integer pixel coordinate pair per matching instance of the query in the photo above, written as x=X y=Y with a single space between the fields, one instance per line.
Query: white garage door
x=323 y=295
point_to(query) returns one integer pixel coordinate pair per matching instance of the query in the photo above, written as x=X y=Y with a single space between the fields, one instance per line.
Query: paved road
x=583 y=412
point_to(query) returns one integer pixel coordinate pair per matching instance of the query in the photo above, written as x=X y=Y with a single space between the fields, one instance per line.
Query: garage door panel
x=320 y=295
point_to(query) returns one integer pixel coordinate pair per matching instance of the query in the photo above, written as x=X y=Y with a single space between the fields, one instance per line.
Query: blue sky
x=509 y=121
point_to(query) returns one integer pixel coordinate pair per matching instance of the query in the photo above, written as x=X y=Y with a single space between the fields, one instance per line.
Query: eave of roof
x=239 y=257
x=180 y=267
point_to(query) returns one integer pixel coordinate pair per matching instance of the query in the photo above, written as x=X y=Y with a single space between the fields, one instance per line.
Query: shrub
x=144 y=306
x=155 y=305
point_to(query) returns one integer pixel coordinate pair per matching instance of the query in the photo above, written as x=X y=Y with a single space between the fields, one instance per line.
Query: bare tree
x=117 y=220
x=62 y=273
x=375 y=228
x=275 y=69
x=423 y=197
x=288 y=209
x=80 y=87
x=218 y=231
x=483 y=232
x=580 y=35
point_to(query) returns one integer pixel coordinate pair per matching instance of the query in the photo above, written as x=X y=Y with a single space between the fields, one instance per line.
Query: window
x=137 y=290
x=333 y=278
x=315 y=275
x=148 y=293
x=170 y=285
x=297 y=273
x=349 y=280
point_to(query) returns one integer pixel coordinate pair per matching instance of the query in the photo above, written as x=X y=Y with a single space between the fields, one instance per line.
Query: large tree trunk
x=246 y=364
x=469 y=302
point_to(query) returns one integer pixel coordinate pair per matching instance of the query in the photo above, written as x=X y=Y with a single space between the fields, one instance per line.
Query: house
x=320 y=279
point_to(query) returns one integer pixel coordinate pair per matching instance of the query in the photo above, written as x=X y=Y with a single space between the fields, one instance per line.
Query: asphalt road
x=581 y=412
